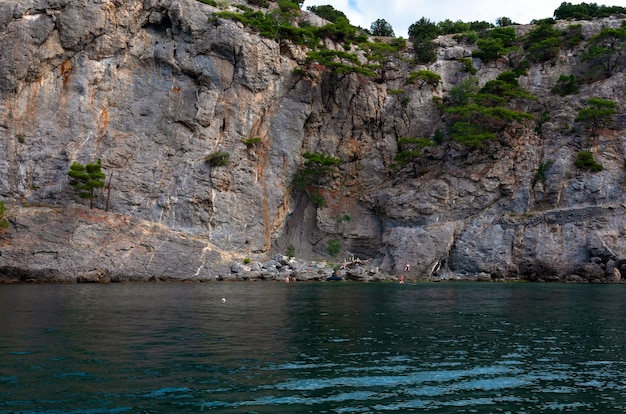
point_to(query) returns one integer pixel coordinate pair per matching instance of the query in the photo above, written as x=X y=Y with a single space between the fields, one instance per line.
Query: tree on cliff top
x=85 y=179
x=328 y=12
x=381 y=28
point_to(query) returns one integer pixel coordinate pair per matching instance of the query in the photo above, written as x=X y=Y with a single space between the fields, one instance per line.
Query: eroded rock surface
x=152 y=88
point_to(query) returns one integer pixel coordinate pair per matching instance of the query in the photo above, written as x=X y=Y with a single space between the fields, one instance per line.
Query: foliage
x=382 y=28
x=86 y=179
x=423 y=29
x=315 y=171
x=423 y=32
x=423 y=77
x=468 y=65
x=544 y=42
x=410 y=150
x=474 y=123
x=506 y=34
x=585 y=160
x=258 y=3
x=490 y=49
x=3 y=222
x=447 y=27
x=291 y=251
x=504 y=21
x=343 y=218
x=585 y=11
x=469 y=37
x=573 y=35
x=566 y=85
x=606 y=52
x=209 y=2
x=317 y=199
x=540 y=175
x=319 y=164
x=338 y=61
x=471 y=134
x=327 y=12
x=334 y=247
x=505 y=86
x=217 y=159
x=246 y=260
x=460 y=94
x=249 y=142
x=598 y=113
x=381 y=51
x=424 y=51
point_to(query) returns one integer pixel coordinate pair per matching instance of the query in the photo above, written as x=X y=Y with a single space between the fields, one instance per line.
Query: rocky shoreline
x=284 y=269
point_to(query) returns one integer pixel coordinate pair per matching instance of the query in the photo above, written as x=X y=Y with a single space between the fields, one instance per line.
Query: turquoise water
x=312 y=348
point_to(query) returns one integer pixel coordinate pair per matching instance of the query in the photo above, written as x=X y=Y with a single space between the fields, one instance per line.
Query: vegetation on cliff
x=85 y=179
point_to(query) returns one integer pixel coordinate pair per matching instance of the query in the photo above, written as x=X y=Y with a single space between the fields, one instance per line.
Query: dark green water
x=312 y=348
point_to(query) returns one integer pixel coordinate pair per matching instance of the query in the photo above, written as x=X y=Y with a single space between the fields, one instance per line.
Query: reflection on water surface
x=319 y=347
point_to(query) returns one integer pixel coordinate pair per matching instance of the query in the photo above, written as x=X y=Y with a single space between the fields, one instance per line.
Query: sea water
x=325 y=347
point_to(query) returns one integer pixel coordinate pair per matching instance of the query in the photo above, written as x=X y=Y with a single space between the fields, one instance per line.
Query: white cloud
x=402 y=13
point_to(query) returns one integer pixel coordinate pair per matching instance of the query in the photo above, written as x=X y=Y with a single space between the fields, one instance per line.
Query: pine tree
x=86 y=178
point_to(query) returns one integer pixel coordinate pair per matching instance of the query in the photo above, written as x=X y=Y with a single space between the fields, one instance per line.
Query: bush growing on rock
x=566 y=85
x=334 y=247
x=410 y=151
x=423 y=77
x=3 y=222
x=218 y=159
x=86 y=179
x=598 y=113
x=585 y=160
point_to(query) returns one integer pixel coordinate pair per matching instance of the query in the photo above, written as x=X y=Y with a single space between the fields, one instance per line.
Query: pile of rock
x=288 y=268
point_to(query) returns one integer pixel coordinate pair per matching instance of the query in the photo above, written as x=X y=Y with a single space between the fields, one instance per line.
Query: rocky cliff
x=151 y=88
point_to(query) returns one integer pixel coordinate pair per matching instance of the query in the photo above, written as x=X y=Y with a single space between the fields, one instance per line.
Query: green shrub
x=540 y=175
x=468 y=65
x=334 y=247
x=249 y=142
x=217 y=159
x=85 y=179
x=566 y=85
x=585 y=160
x=490 y=49
x=342 y=218
x=424 y=51
x=423 y=77
x=598 y=113
x=543 y=43
x=20 y=138
x=410 y=151
x=348 y=62
x=246 y=260
x=468 y=38
x=291 y=251
x=318 y=200
x=3 y=222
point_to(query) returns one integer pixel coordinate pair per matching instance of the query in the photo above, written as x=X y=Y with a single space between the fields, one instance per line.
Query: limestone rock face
x=152 y=88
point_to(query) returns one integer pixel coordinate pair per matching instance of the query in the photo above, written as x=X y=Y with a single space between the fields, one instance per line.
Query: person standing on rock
x=407 y=267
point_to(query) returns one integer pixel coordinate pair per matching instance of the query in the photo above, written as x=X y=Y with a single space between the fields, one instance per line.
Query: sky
x=403 y=13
